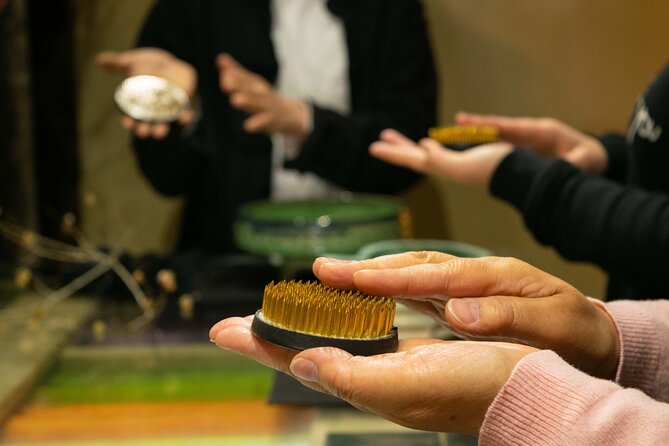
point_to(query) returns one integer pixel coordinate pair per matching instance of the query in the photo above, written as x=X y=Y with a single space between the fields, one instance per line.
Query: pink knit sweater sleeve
x=548 y=402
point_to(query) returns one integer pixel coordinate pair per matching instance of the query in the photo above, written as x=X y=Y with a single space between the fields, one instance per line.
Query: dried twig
x=82 y=252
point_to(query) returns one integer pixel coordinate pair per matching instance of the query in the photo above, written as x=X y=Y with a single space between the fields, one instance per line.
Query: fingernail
x=464 y=310
x=304 y=369
x=333 y=261
x=326 y=259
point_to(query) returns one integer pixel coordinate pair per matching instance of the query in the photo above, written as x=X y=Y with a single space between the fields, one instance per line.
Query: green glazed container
x=309 y=228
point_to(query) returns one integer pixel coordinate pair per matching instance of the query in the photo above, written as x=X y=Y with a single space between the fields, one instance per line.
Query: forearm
x=548 y=402
x=585 y=217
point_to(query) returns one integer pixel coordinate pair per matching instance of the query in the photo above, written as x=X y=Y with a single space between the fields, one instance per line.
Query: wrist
x=299 y=119
x=599 y=157
x=186 y=76
x=610 y=355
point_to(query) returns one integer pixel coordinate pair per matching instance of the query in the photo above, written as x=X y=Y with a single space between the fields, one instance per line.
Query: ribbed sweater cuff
x=639 y=346
x=514 y=176
x=539 y=403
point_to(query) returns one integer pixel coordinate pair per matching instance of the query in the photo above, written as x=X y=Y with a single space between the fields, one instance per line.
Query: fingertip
x=461 y=115
x=316 y=266
x=335 y=274
x=127 y=122
x=186 y=117
x=375 y=147
x=388 y=133
x=251 y=125
x=101 y=57
x=229 y=322
x=213 y=331
x=217 y=328
x=160 y=131
x=234 y=338
x=222 y=59
x=143 y=130
x=225 y=60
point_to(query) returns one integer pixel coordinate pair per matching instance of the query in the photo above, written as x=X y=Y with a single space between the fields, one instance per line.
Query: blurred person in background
x=289 y=94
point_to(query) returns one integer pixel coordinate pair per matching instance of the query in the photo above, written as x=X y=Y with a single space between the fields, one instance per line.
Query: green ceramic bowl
x=311 y=228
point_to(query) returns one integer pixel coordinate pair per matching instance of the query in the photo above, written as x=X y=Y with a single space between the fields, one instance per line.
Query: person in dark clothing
x=226 y=53
x=602 y=200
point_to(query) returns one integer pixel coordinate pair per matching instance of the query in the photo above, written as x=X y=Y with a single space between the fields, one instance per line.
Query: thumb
x=532 y=321
x=441 y=159
x=333 y=370
x=311 y=365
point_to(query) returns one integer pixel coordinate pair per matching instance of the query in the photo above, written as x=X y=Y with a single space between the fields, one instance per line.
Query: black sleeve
x=170 y=164
x=337 y=148
x=616 y=148
x=588 y=218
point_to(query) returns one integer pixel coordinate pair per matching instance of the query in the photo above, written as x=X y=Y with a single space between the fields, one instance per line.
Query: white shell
x=151 y=99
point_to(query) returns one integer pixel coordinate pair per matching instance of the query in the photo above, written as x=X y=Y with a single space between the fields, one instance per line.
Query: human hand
x=427 y=384
x=156 y=62
x=269 y=111
x=489 y=298
x=547 y=136
x=474 y=166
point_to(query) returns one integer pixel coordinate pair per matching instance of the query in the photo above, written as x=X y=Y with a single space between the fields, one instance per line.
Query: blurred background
x=62 y=152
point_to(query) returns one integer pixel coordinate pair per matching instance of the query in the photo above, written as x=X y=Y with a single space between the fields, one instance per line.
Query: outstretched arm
x=585 y=217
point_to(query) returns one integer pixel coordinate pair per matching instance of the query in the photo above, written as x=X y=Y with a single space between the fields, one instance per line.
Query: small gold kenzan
x=464 y=134
x=302 y=315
